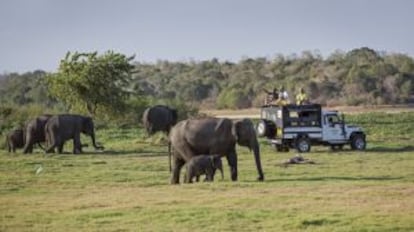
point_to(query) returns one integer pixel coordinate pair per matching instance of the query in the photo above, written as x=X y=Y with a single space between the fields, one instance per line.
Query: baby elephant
x=203 y=164
x=15 y=139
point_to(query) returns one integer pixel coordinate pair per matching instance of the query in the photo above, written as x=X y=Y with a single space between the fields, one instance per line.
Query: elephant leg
x=60 y=147
x=210 y=176
x=189 y=176
x=232 y=161
x=178 y=164
x=198 y=178
x=77 y=146
x=58 y=143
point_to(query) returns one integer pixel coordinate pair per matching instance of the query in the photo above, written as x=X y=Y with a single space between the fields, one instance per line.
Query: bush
x=233 y=99
x=12 y=117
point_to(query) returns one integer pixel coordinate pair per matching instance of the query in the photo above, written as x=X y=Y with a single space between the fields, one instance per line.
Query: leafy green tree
x=23 y=89
x=88 y=81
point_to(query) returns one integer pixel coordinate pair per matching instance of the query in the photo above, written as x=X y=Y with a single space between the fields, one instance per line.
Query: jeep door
x=332 y=129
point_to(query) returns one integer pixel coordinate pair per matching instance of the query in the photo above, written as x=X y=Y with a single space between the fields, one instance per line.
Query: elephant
x=159 y=118
x=60 y=128
x=204 y=136
x=15 y=139
x=203 y=164
x=35 y=132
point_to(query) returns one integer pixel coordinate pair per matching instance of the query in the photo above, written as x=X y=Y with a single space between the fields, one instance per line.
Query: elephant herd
x=54 y=131
x=191 y=138
x=200 y=142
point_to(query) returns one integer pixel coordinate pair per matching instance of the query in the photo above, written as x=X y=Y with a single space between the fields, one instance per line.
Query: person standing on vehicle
x=283 y=97
x=271 y=96
x=302 y=97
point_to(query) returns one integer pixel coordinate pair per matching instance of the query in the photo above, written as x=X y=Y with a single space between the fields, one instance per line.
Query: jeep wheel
x=358 y=142
x=261 y=128
x=303 y=145
x=266 y=128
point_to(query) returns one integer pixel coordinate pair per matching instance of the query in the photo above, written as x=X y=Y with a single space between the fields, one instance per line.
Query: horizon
x=38 y=35
x=188 y=60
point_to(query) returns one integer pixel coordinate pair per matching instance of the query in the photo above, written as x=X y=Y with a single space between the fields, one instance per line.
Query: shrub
x=233 y=99
x=16 y=117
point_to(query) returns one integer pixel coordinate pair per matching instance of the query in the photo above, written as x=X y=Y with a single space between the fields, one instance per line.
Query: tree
x=88 y=81
x=24 y=89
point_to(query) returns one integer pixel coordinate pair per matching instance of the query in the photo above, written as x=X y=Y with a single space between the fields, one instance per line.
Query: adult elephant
x=159 y=118
x=35 y=132
x=61 y=128
x=205 y=136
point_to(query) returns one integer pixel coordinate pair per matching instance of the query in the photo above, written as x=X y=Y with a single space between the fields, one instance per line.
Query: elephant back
x=159 y=118
x=204 y=135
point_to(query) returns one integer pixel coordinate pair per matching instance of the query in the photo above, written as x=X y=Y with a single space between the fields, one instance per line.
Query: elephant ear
x=86 y=122
x=235 y=130
x=174 y=114
x=221 y=125
x=226 y=128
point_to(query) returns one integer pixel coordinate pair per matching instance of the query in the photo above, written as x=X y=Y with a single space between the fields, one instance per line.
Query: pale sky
x=36 y=34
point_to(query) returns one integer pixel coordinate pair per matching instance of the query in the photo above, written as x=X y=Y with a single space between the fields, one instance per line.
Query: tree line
x=112 y=85
x=359 y=77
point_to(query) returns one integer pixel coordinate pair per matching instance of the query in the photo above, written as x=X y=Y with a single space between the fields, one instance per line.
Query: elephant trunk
x=27 y=144
x=256 y=151
x=93 y=142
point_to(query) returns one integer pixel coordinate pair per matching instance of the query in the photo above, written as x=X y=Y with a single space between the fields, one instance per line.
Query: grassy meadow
x=126 y=187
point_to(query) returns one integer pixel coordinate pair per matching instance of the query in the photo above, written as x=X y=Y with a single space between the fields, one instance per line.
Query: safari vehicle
x=301 y=126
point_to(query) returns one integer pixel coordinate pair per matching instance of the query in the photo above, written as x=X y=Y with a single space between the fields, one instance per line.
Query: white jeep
x=301 y=126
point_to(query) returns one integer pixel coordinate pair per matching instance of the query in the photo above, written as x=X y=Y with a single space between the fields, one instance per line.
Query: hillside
x=358 y=77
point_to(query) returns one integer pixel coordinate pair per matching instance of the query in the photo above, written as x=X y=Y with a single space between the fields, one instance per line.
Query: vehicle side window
x=332 y=120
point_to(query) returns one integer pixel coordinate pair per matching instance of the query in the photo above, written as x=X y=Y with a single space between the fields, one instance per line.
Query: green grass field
x=126 y=187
